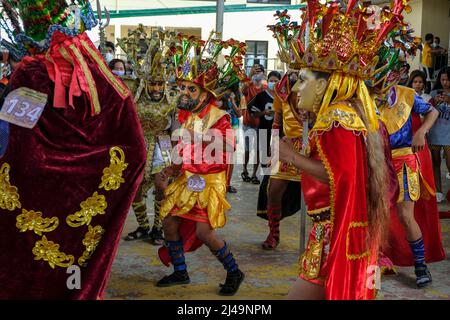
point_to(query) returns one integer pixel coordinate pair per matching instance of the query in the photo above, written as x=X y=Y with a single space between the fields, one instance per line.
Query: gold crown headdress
x=340 y=37
x=152 y=64
x=199 y=61
x=336 y=35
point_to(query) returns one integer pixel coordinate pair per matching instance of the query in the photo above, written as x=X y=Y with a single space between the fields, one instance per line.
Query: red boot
x=274 y=217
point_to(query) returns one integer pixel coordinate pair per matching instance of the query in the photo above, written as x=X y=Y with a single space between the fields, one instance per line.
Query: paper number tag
x=196 y=183
x=23 y=107
x=165 y=143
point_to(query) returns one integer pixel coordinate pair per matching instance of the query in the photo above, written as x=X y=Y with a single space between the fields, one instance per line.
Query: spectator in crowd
x=110 y=51
x=417 y=81
x=404 y=71
x=118 y=67
x=261 y=108
x=427 y=56
x=440 y=59
x=250 y=90
x=439 y=135
x=231 y=102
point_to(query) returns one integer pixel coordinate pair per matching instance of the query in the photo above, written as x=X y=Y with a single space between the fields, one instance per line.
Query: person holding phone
x=261 y=107
x=439 y=136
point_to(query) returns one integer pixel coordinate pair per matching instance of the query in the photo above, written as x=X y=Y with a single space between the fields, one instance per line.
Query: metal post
x=219 y=17
x=303 y=209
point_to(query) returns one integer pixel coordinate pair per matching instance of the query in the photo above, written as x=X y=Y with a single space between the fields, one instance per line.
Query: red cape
x=344 y=156
x=426 y=214
x=57 y=165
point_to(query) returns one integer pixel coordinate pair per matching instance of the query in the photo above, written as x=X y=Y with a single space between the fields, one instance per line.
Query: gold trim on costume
x=92 y=206
x=33 y=221
x=89 y=79
x=9 y=196
x=318 y=211
x=344 y=115
x=49 y=251
x=91 y=240
x=402 y=152
x=397 y=115
x=112 y=176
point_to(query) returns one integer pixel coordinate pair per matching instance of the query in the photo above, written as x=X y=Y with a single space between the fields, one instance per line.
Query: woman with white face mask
x=117 y=66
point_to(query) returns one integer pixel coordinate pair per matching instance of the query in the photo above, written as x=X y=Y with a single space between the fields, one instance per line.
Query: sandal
x=156 y=237
x=232 y=189
x=255 y=180
x=245 y=176
x=140 y=233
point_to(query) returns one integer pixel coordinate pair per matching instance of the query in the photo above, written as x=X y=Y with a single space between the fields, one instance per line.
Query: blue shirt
x=403 y=137
x=440 y=132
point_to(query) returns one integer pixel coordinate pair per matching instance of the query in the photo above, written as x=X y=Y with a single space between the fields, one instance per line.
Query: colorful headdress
x=392 y=54
x=199 y=61
x=154 y=64
x=341 y=37
x=41 y=18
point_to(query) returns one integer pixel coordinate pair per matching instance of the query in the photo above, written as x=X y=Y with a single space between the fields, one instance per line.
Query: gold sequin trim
x=49 y=251
x=91 y=207
x=9 y=196
x=33 y=221
x=112 y=176
x=90 y=241
x=89 y=79
x=355 y=224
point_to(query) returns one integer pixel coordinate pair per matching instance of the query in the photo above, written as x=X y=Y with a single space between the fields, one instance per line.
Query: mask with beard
x=185 y=102
x=156 y=92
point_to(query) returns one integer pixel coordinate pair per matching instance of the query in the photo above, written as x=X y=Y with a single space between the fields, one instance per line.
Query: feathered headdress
x=200 y=62
x=31 y=23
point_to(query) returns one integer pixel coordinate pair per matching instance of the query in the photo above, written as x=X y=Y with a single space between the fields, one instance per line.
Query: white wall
x=238 y=25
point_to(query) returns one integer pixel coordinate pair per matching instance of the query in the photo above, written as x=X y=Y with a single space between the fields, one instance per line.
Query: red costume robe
x=425 y=213
x=339 y=144
x=211 y=207
x=68 y=183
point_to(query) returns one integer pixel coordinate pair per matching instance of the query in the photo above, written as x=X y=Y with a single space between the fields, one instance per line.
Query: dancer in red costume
x=195 y=202
x=66 y=184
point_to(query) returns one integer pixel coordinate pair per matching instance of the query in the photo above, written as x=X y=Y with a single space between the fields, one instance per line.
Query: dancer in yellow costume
x=195 y=202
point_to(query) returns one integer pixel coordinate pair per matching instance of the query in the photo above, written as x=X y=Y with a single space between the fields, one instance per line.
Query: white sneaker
x=439 y=197
x=448 y=175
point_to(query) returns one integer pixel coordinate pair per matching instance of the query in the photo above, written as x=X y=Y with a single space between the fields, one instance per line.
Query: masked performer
x=67 y=182
x=279 y=192
x=195 y=202
x=155 y=113
x=414 y=231
x=342 y=177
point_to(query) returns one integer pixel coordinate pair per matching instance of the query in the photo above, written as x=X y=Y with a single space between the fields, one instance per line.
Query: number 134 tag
x=23 y=107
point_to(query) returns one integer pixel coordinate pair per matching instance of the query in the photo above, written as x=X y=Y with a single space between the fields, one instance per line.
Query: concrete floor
x=268 y=274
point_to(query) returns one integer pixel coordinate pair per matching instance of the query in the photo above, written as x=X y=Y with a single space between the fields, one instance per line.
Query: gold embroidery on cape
x=92 y=206
x=91 y=240
x=9 y=196
x=345 y=115
x=33 y=221
x=49 y=251
x=355 y=224
x=311 y=260
x=112 y=176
